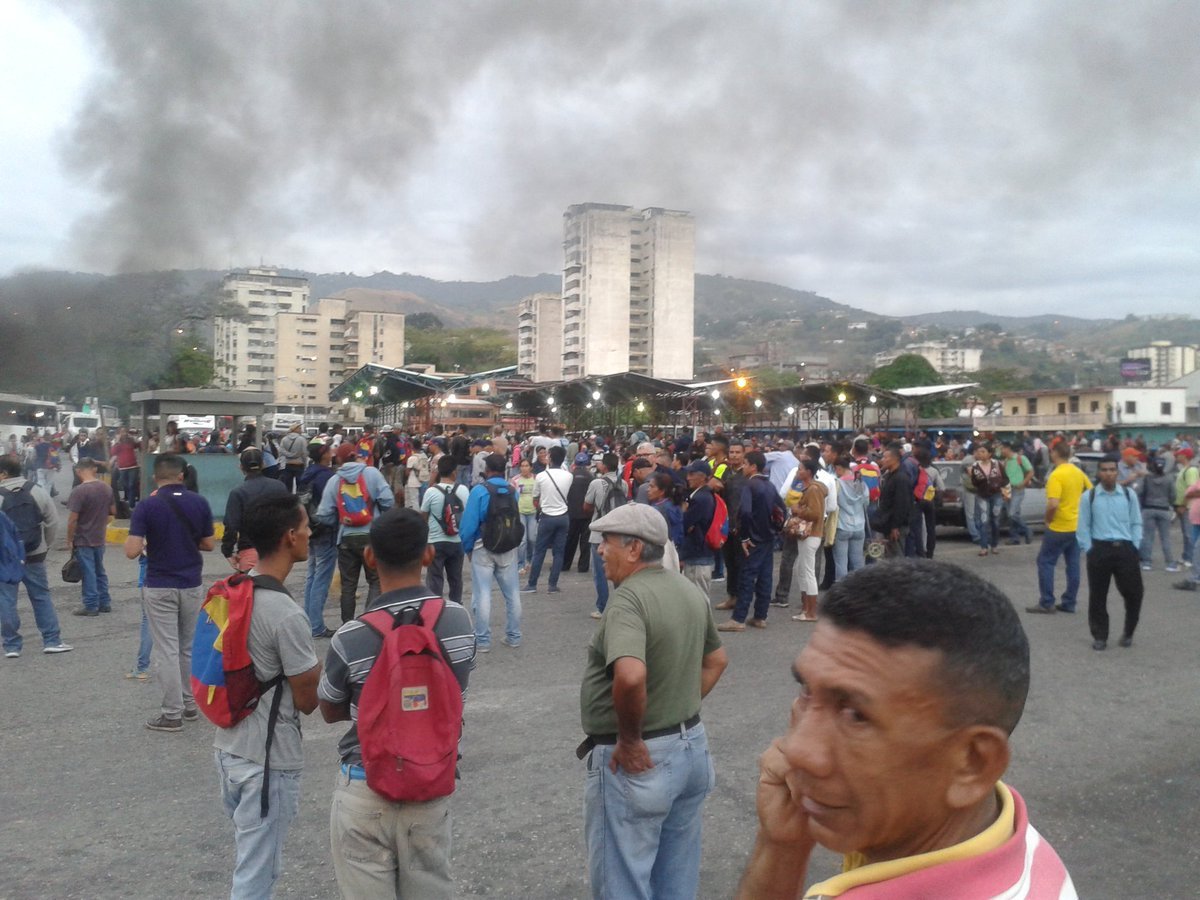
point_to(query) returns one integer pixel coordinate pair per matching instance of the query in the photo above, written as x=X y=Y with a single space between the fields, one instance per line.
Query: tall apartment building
x=1167 y=361
x=946 y=360
x=317 y=349
x=540 y=337
x=244 y=347
x=628 y=291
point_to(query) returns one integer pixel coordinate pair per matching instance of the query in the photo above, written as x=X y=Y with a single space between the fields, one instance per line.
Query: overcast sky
x=1016 y=156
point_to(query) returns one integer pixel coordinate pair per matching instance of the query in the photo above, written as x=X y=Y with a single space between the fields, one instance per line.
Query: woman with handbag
x=806 y=521
x=991 y=490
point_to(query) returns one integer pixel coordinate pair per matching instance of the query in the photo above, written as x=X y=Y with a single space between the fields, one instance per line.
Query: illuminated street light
x=358 y=393
x=791 y=410
x=872 y=398
x=595 y=395
x=741 y=383
x=345 y=401
x=589 y=404
x=641 y=407
x=374 y=390
x=757 y=403
x=451 y=397
x=508 y=405
x=841 y=397
x=485 y=387
x=715 y=394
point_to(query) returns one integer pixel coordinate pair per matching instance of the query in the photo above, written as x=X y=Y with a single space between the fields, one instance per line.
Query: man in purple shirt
x=172 y=525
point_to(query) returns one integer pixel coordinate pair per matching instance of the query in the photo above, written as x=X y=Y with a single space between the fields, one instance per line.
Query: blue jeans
x=987 y=525
x=718 y=569
x=1156 y=520
x=130 y=485
x=643 y=831
x=847 y=553
x=37 y=586
x=484 y=564
x=599 y=578
x=551 y=535
x=525 y=551
x=258 y=841
x=95 y=579
x=756 y=582
x=145 y=645
x=322 y=560
x=970 y=500
x=1054 y=545
x=1016 y=525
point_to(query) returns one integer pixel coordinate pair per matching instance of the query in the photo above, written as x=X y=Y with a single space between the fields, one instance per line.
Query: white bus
x=19 y=414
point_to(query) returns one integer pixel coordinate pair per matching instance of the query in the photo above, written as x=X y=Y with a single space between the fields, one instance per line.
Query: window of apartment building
x=1095 y=406
x=1062 y=409
x=1131 y=407
x=1016 y=410
x=1031 y=406
x=1073 y=404
x=1164 y=409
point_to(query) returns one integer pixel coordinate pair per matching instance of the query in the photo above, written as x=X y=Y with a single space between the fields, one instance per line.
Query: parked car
x=954 y=504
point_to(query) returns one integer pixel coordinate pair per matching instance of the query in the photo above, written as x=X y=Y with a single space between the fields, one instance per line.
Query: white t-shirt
x=550 y=490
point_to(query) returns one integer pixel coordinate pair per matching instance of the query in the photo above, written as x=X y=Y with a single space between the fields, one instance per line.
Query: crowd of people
x=658 y=520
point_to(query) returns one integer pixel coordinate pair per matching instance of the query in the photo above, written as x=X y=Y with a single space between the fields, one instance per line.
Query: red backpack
x=410 y=708
x=354 y=504
x=718 y=528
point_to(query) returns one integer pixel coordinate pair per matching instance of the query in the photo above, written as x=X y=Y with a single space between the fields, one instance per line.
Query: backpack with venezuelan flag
x=354 y=504
x=224 y=683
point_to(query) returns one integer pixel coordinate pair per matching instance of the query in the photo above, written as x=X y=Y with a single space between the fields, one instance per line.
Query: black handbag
x=70 y=571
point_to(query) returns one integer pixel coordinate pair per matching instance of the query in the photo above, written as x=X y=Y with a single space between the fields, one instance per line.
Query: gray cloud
x=887 y=154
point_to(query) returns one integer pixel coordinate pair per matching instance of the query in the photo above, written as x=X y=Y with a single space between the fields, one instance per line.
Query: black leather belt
x=594 y=739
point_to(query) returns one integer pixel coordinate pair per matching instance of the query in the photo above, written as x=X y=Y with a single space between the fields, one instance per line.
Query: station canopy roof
x=620 y=389
x=825 y=393
x=386 y=384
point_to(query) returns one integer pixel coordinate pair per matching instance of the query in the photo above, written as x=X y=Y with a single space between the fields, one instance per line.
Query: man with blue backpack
x=26 y=538
x=491 y=533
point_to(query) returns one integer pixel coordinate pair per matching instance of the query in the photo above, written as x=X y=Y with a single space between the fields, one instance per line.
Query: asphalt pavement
x=93 y=805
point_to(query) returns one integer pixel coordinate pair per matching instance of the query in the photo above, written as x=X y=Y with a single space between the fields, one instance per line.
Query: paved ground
x=93 y=805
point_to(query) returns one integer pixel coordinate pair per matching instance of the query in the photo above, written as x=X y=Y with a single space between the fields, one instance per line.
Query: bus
x=20 y=415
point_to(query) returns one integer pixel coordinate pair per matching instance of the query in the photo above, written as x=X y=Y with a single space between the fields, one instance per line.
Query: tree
x=424 y=321
x=908 y=370
x=188 y=367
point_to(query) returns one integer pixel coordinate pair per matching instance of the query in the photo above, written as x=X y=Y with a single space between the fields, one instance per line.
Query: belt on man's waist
x=354 y=773
x=1111 y=541
x=593 y=739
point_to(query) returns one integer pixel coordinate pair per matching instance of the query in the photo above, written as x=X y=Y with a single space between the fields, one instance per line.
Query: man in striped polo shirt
x=909 y=688
x=373 y=854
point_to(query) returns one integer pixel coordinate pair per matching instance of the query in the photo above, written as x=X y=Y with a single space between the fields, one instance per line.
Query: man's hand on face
x=780 y=815
x=633 y=757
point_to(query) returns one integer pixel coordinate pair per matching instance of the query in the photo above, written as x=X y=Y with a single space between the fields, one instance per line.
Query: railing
x=1059 y=421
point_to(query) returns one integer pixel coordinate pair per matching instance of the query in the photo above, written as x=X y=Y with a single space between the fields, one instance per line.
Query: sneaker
x=717 y=578
x=191 y=714
x=84 y=611
x=513 y=644
x=1065 y=609
x=11 y=654
x=327 y=633
x=554 y=589
x=137 y=675
x=106 y=609
x=782 y=604
x=1146 y=567
x=596 y=614
x=731 y=625
x=483 y=648
x=1172 y=568
x=1126 y=640
x=60 y=647
x=1186 y=585
x=529 y=589
x=1040 y=610
x=1099 y=644
x=162 y=723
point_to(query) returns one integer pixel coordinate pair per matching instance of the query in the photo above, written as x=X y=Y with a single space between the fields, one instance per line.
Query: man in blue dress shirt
x=1110 y=532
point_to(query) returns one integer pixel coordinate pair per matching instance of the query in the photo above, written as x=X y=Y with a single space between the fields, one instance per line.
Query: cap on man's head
x=345 y=452
x=295 y=427
x=699 y=466
x=582 y=459
x=636 y=520
x=1185 y=452
x=252 y=459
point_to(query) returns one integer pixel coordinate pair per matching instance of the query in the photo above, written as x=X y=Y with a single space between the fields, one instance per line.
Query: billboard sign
x=1135 y=369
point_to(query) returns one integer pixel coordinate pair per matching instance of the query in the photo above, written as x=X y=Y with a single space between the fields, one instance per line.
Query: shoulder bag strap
x=187 y=523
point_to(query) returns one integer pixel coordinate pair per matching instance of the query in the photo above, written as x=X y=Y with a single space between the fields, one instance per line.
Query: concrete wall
x=669 y=238
x=596 y=290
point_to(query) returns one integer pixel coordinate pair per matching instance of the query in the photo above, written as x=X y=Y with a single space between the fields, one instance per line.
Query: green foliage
x=460 y=349
x=187 y=367
x=423 y=321
x=908 y=370
x=772 y=378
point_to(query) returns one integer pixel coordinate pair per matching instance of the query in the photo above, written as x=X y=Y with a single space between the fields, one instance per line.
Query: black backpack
x=614 y=498
x=502 y=528
x=25 y=513
x=452 y=510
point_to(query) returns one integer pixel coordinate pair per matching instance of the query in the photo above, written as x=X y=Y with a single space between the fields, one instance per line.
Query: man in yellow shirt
x=1065 y=485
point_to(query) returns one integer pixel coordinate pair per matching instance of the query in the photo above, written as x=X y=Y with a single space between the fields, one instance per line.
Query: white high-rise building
x=1167 y=361
x=540 y=337
x=244 y=346
x=628 y=293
